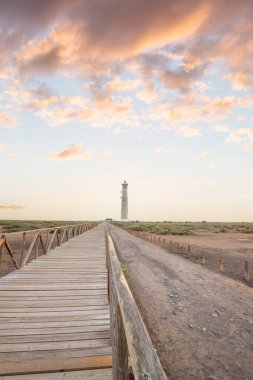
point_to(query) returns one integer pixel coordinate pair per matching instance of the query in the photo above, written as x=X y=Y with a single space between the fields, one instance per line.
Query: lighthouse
x=124 y=201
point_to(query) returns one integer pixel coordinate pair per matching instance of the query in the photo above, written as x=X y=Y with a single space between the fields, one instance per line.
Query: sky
x=155 y=92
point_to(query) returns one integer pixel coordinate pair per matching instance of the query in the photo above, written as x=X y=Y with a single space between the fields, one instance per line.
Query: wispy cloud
x=221 y=128
x=108 y=153
x=74 y=152
x=189 y=132
x=7 y=120
x=11 y=207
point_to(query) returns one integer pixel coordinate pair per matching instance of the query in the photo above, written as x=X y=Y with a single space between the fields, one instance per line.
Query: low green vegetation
x=26 y=225
x=124 y=268
x=185 y=228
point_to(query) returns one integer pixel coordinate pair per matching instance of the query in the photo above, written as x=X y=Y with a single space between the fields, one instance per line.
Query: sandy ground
x=200 y=322
x=235 y=248
x=235 y=244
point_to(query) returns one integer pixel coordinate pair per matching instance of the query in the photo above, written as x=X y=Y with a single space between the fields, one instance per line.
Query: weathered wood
x=1 y=249
x=51 y=241
x=189 y=252
x=221 y=263
x=23 y=248
x=47 y=238
x=9 y=250
x=93 y=374
x=42 y=244
x=120 y=370
x=54 y=313
x=37 y=247
x=246 y=270
x=144 y=360
x=51 y=346
x=63 y=235
x=58 y=363
x=203 y=257
x=30 y=249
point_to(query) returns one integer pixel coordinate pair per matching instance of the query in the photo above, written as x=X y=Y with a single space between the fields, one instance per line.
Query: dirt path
x=200 y=322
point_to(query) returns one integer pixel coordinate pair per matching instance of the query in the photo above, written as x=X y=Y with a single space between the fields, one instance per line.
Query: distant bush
x=187 y=227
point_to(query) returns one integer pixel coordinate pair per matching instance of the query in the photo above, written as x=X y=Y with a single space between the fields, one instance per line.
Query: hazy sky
x=156 y=92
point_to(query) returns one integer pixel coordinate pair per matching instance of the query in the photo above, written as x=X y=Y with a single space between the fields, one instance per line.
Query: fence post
x=171 y=246
x=203 y=257
x=189 y=252
x=246 y=271
x=221 y=263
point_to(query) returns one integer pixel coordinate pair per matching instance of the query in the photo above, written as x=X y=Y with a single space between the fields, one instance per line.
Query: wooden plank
x=57 y=318
x=103 y=333
x=52 y=293
x=62 y=314
x=57 y=364
x=94 y=374
x=51 y=346
x=54 y=301
x=43 y=309
x=12 y=357
x=55 y=324
x=63 y=287
x=54 y=330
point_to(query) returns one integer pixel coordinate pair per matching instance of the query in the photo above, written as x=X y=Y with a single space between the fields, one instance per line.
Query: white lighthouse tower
x=124 y=201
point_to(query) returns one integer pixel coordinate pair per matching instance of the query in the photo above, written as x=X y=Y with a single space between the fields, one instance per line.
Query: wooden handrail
x=129 y=335
x=60 y=234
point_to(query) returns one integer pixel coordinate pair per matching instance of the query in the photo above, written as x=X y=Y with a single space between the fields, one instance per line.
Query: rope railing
x=129 y=336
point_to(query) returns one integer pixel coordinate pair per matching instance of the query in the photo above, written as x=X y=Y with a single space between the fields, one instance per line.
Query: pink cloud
x=7 y=120
x=74 y=152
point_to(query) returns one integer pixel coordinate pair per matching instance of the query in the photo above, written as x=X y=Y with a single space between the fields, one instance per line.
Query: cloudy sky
x=157 y=92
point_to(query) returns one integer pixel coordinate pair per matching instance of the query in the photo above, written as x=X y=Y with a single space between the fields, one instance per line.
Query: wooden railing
x=129 y=336
x=42 y=241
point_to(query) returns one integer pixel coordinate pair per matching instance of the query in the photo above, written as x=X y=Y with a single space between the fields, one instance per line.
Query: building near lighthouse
x=124 y=201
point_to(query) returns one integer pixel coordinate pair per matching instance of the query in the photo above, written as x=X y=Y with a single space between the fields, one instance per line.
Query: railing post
x=37 y=246
x=23 y=248
x=120 y=371
x=1 y=248
x=46 y=243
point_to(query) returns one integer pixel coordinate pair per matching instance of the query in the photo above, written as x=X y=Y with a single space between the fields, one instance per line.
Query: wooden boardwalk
x=54 y=314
